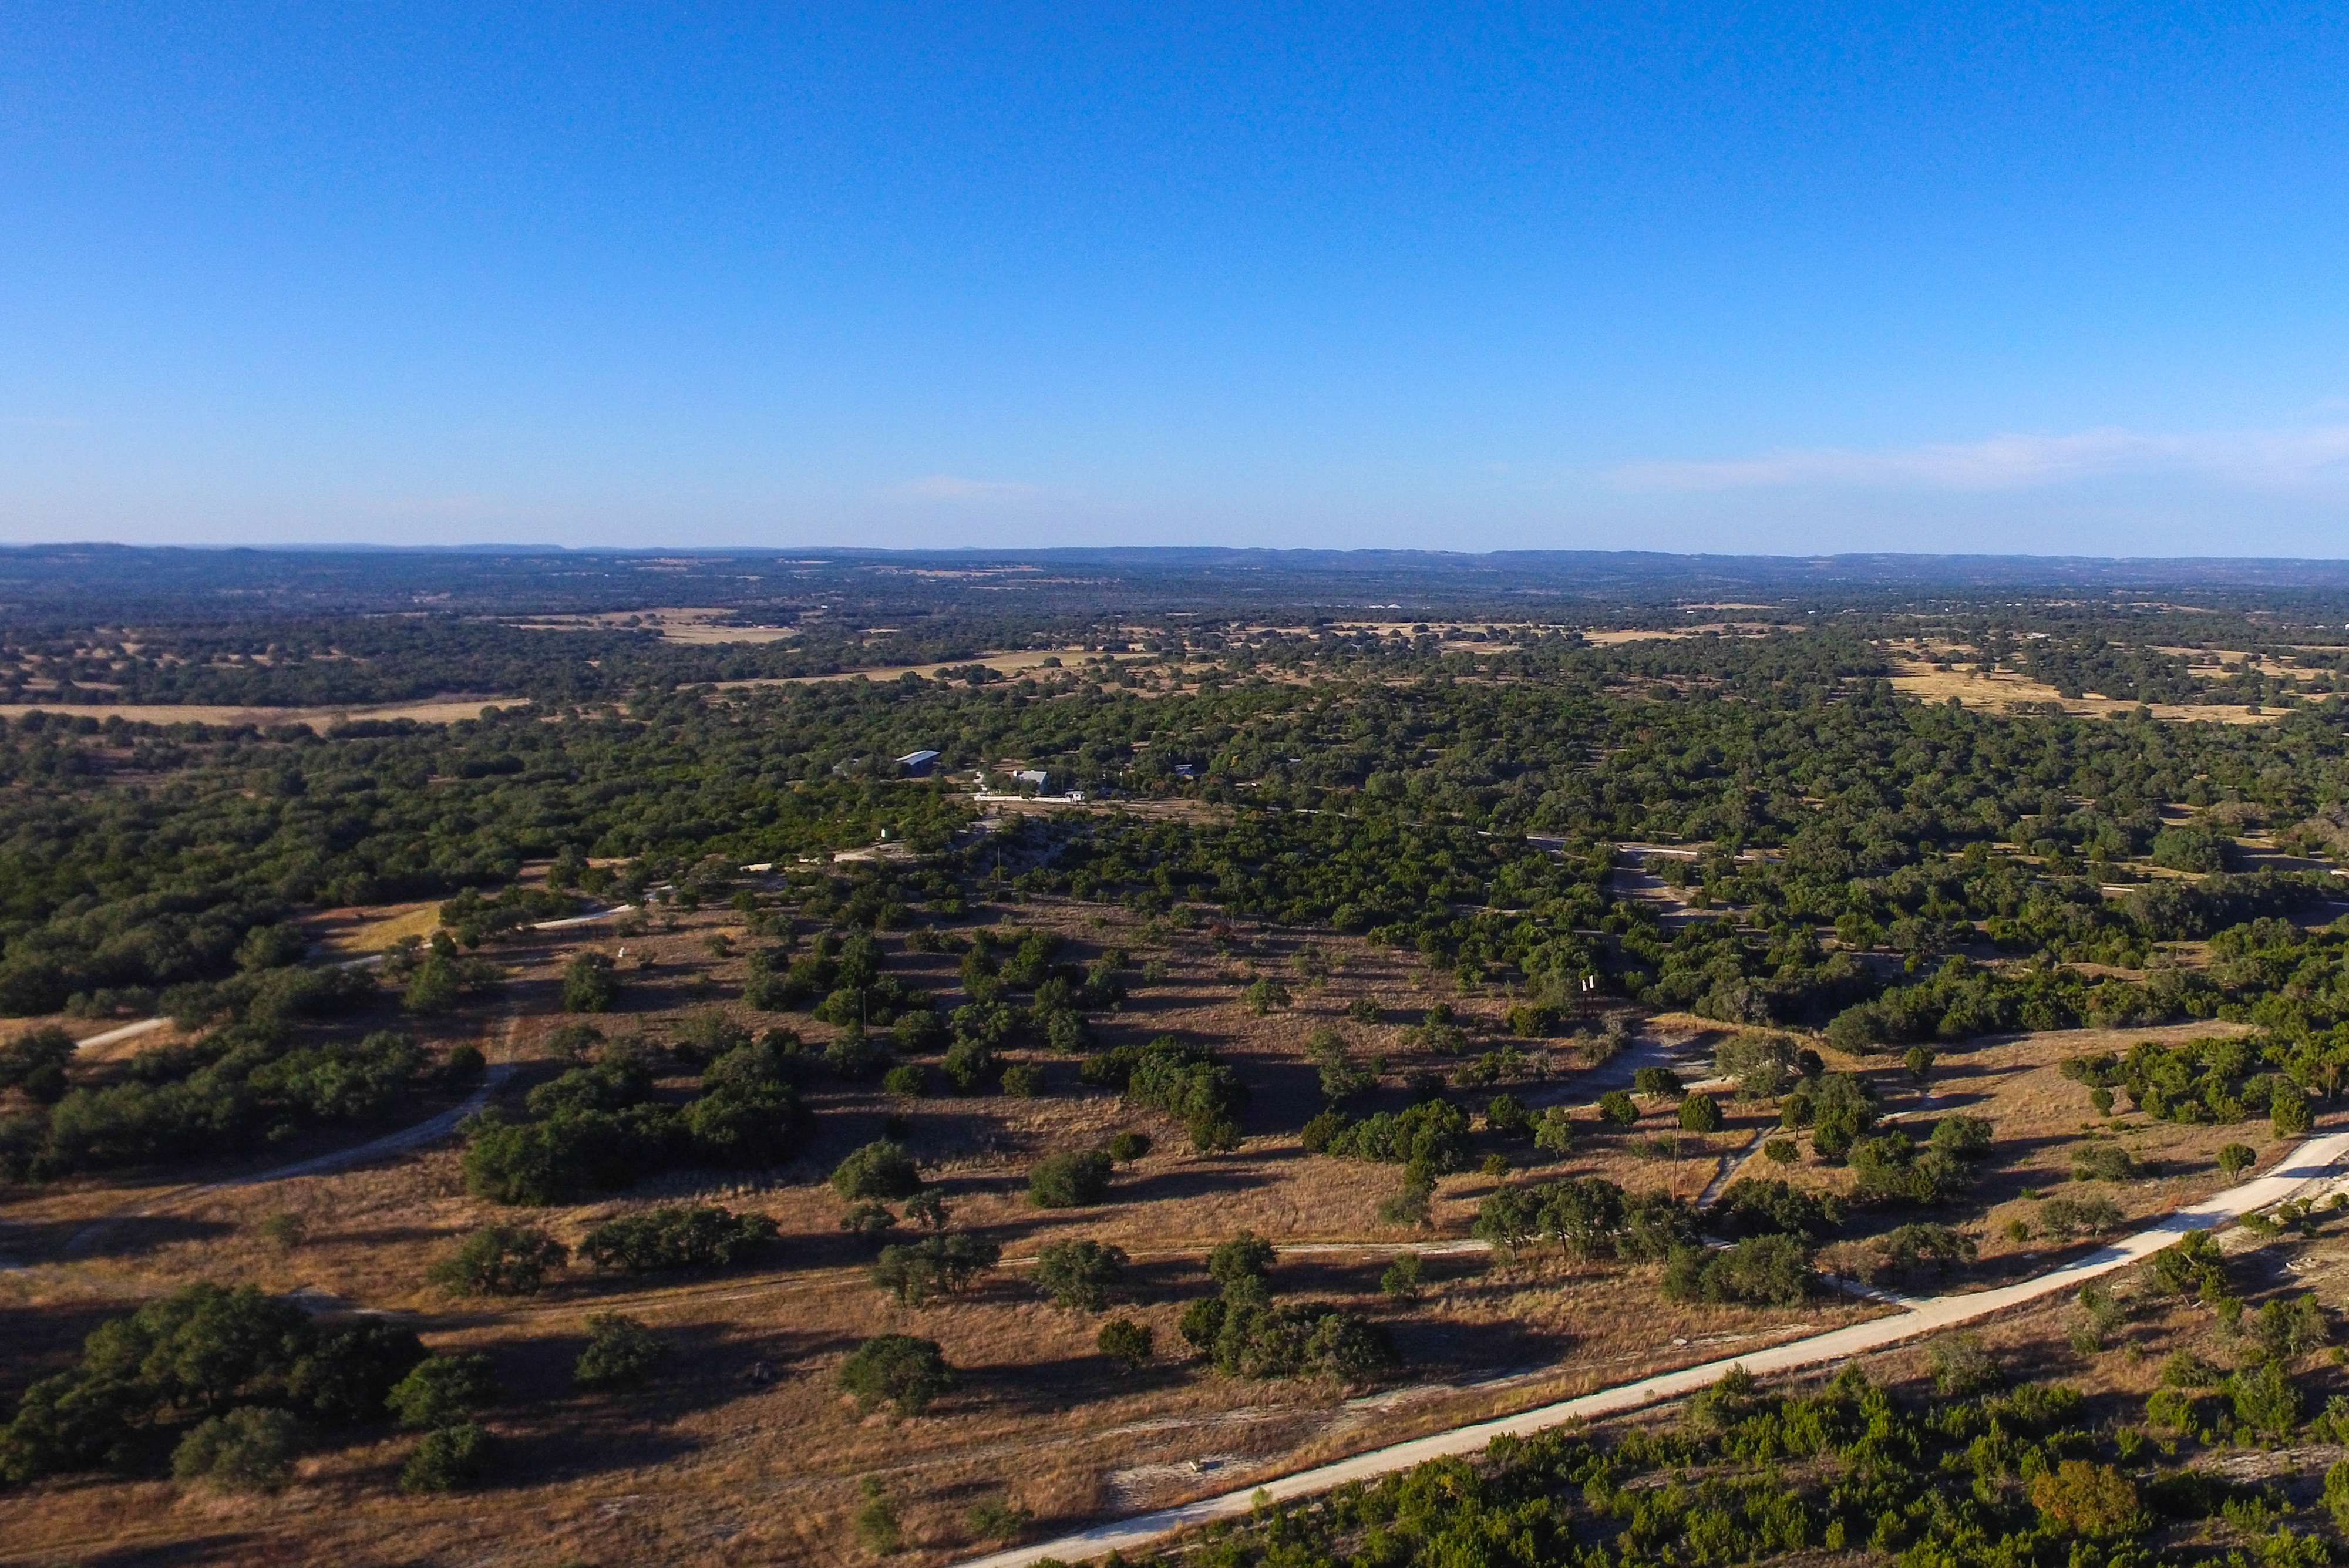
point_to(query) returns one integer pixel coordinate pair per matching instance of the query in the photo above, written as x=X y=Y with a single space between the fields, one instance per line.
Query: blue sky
x=1776 y=279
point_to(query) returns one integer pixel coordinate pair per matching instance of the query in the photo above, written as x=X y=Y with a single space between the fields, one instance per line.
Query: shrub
x=1264 y=995
x=1967 y=1138
x=620 y=1352
x=1903 y=1248
x=1340 y=1079
x=2288 y=1111
x=852 y=1055
x=2336 y=1495
x=1763 y=1064
x=2236 y=1158
x=1619 y=1107
x=1181 y=1081
x=448 y=1459
x=589 y=984
x=1760 y=1207
x=881 y=1170
x=906 y=1081
x=896 y=1369
x=2064 y=1218
x=251 y=1448
x=1554 y=1133
x=1889 y=1169
x=678 y=1236
x=2266 y=1400
x=2104 y=1162
x=998 y=1519
x=1078 y=1275
x=1432 y=1134
x=1023 y=1080
x=877 y=1529
x=347 y=1374
x=1405 y=1278
x=1069 y=1180
x=1761 y=1270
x=918 y=1031
x=1780 y=1151
x=500 y=1260
x=1257 y=1338
x=35 y=1062
x=2086 y=1499
x=918 y=1272
x=2173 y=1409
x=969 y=1063
x=1656 y=1084
x=1961 y=1368
x=442 y=1391
x=1126 y=1342
x=1246 y=1256
x=1506 y=1117
x=2284 y=1329
x=1126 y=1147
x=1701 y=1113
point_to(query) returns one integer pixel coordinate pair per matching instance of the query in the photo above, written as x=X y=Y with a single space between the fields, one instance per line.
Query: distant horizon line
x=1098 y=551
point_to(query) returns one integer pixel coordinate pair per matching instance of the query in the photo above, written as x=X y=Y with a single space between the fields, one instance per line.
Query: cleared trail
x=2317 y=1161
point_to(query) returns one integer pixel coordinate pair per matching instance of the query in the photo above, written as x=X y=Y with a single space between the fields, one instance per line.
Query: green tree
x=898 y=1369
x=1078 y=1275
x=1701 y=1113
x=590 y=985
x=881 y=1170
x=2266 y=1399
x=500 y=1260
x=877 y=1529
x=1265 y=994
x=444 y=1391
x=2083 y=1498
x=1075 y=1181
x=1126 y=1342
x=251 y=1448
x=448 y=1459
x=620 y=1353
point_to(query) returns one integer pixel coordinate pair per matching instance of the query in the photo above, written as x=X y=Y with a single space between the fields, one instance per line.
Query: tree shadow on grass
x=44 y=1240
x=46 y=1339
x=231 y=1550
x=572 y=1432
x=1182 y=1181
x=1065 y=1383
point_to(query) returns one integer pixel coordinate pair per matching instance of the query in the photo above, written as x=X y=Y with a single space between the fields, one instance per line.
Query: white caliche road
x=2316 y=1162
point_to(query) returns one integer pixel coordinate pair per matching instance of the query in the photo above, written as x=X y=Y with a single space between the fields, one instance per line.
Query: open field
x=690 y=625
x=437 y=710
x=772 y=1471
x=708 y=1465
x=2004 y=688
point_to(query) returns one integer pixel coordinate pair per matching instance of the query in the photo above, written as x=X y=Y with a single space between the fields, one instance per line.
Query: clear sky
x=1757 y=277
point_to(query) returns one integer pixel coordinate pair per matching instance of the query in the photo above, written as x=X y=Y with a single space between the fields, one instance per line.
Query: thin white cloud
x=2292 y=458
x=951 y=487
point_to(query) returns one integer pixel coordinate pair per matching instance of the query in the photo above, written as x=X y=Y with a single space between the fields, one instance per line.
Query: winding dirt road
x=2317 y=1161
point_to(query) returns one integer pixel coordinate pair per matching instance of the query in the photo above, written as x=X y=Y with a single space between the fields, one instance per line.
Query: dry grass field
x=1916 y=673
x=436 y=711
x=715 y=1464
